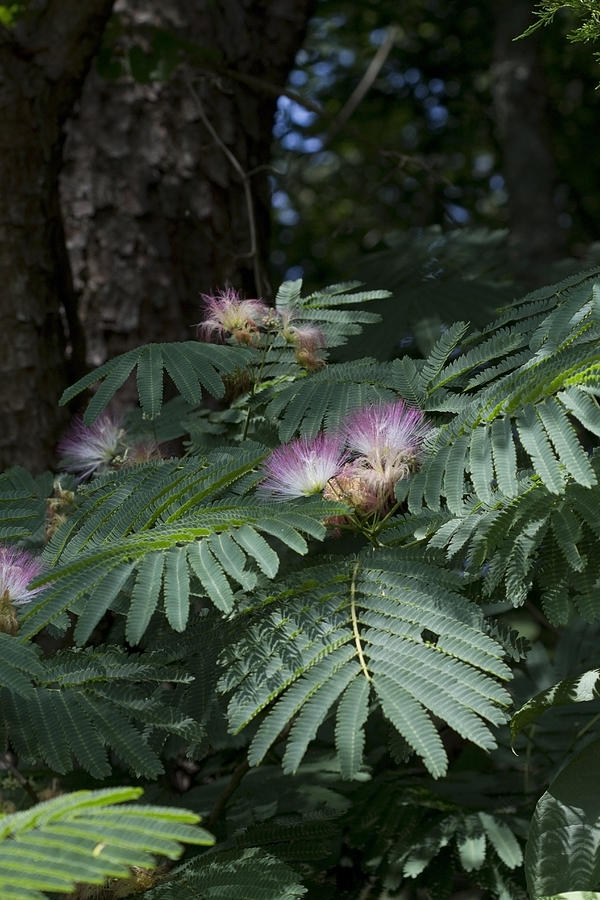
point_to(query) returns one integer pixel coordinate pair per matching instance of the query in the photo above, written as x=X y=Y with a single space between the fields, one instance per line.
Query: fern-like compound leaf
x=192 y=366
x=390 y=629
x=236 y=875
x=88 y=837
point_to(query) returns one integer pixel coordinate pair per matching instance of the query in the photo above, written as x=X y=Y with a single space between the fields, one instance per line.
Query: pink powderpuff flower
x=308 y=339
x=17 y=569
x=387 y=436
x=142 y=451
x=351 y=487
x=88 y=449
x=228 y=314
x=302 y=467
x=306 y=336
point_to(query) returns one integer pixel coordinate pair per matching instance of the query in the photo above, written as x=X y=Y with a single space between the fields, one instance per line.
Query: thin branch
x=539 y=617
x=268 y=87
x=223 y=800
x=359 y=649
x=245 y=179
x=363 y=86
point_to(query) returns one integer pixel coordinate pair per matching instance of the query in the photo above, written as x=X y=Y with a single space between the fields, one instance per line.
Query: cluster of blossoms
x=228 y=315
x=360 y=465
x=90 y=449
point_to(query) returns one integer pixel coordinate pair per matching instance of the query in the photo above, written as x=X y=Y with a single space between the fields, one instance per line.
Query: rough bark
x=42 y=66
x=156 y=212
x=520 y=102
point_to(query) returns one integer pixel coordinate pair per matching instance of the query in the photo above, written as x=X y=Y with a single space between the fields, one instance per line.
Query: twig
x=363 y=86
x=269 y=88
x=223 y=800
x=245 y=179
x=5 y=763
x=539 y=617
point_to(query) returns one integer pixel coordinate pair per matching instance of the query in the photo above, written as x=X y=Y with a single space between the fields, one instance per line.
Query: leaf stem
x=359 y=649
x=224 y=798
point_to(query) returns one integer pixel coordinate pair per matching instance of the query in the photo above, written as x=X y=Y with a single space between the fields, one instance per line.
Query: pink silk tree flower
x=228 y=314
x=302 y=467
x=351 y=487
x=88 y=449
x=17 y=569
x=308 y=339
x=388 y=437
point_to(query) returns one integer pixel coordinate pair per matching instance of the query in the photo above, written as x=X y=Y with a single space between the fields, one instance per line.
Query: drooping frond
x=193 y=366
x=393 y=623
x=162 y=531
x=405 y=830
x=88 y=837
x=83 y=703
x=580 y=689
x=236 y=875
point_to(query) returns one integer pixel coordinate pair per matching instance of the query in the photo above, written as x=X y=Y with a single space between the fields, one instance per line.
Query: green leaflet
x=103 y=594
x=535 y=441
x=566 y=443
x=256 y=546
x=454 y=474
x=352 y=713
x=502 y=840
x=115 y=377
x=176 y=588
x=414 y=725
x=144 y=597
x=583 y=406
x=288 y=294
x=149 y=381
x=505 y=457
x=211 y=575
x=440 y=352
x=313 y=714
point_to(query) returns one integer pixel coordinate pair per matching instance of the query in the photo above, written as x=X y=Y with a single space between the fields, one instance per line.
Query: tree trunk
x=42 y=67
x=520 y=102
x=155 y=206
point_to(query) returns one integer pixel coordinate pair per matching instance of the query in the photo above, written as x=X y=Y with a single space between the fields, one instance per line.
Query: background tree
x=165 y=186
x=44 y=57
x=165 y=190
